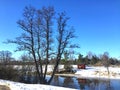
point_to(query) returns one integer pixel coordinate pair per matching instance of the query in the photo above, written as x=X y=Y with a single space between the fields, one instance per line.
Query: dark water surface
x=86 y=84
x=83 y=83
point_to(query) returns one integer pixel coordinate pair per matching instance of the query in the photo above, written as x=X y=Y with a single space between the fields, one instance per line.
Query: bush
x=9 y=73
x=68 y=68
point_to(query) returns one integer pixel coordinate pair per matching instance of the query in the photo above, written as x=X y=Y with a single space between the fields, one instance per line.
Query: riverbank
x=95 y=72
x=21 y=86
x=98 y=72
x=66 y=75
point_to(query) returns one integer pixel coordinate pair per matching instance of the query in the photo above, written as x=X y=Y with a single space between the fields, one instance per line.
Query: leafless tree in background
x=5 y=57
x=105 y=60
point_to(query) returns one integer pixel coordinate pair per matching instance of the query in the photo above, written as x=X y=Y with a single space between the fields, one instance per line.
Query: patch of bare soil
x=3 y=87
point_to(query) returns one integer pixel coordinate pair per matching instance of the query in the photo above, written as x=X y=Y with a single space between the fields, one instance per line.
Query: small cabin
x=81 y=66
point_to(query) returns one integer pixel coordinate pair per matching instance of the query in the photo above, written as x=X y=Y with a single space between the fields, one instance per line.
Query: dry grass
x=3 y=87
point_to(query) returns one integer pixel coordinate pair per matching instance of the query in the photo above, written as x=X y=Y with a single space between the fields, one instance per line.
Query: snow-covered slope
x=22 y=86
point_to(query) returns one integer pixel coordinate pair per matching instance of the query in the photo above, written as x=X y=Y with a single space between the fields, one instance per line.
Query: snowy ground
x=22 y=86
x=99 y=72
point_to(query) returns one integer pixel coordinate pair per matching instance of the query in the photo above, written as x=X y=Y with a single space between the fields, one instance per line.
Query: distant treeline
x=75 y=62
x=90 y=59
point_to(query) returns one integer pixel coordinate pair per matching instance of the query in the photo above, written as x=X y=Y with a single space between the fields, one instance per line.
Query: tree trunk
x=54 y=70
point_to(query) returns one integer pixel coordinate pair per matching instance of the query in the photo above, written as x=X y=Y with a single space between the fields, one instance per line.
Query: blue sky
x=97 y=22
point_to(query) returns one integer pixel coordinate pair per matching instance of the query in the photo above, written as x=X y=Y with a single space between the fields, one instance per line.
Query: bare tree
x=48 y=14
x=89 y=54
x=5 y=57
x=38 y=38
x=29 y=39
x=105 y=60
x=63 y=38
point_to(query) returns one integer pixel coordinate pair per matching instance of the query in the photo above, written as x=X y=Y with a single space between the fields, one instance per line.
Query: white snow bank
x=99 y=72
x=22 y=86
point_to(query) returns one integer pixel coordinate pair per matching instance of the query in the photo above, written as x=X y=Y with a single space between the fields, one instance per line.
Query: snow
x=22 y=86
x=32 y=68
x=99 y=72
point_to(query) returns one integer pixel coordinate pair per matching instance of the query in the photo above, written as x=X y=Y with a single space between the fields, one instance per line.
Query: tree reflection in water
x=95 y=84
x=64 y=81
x=68 y=81
x=56 y=81
x=82 y=82
x=108 y=85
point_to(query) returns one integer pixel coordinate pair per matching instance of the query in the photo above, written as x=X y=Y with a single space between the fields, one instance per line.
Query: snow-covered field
x=22 y=86
x=99 y=72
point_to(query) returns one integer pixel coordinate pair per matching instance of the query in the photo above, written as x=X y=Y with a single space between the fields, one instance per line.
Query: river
x=86 y=83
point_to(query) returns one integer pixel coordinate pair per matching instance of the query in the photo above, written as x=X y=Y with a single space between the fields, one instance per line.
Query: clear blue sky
x=97 y=22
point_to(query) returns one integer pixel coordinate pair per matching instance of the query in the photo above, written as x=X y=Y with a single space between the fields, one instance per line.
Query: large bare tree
x=40 y=41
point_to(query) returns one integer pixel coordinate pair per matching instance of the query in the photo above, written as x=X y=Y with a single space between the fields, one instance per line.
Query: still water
x=84 y=84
